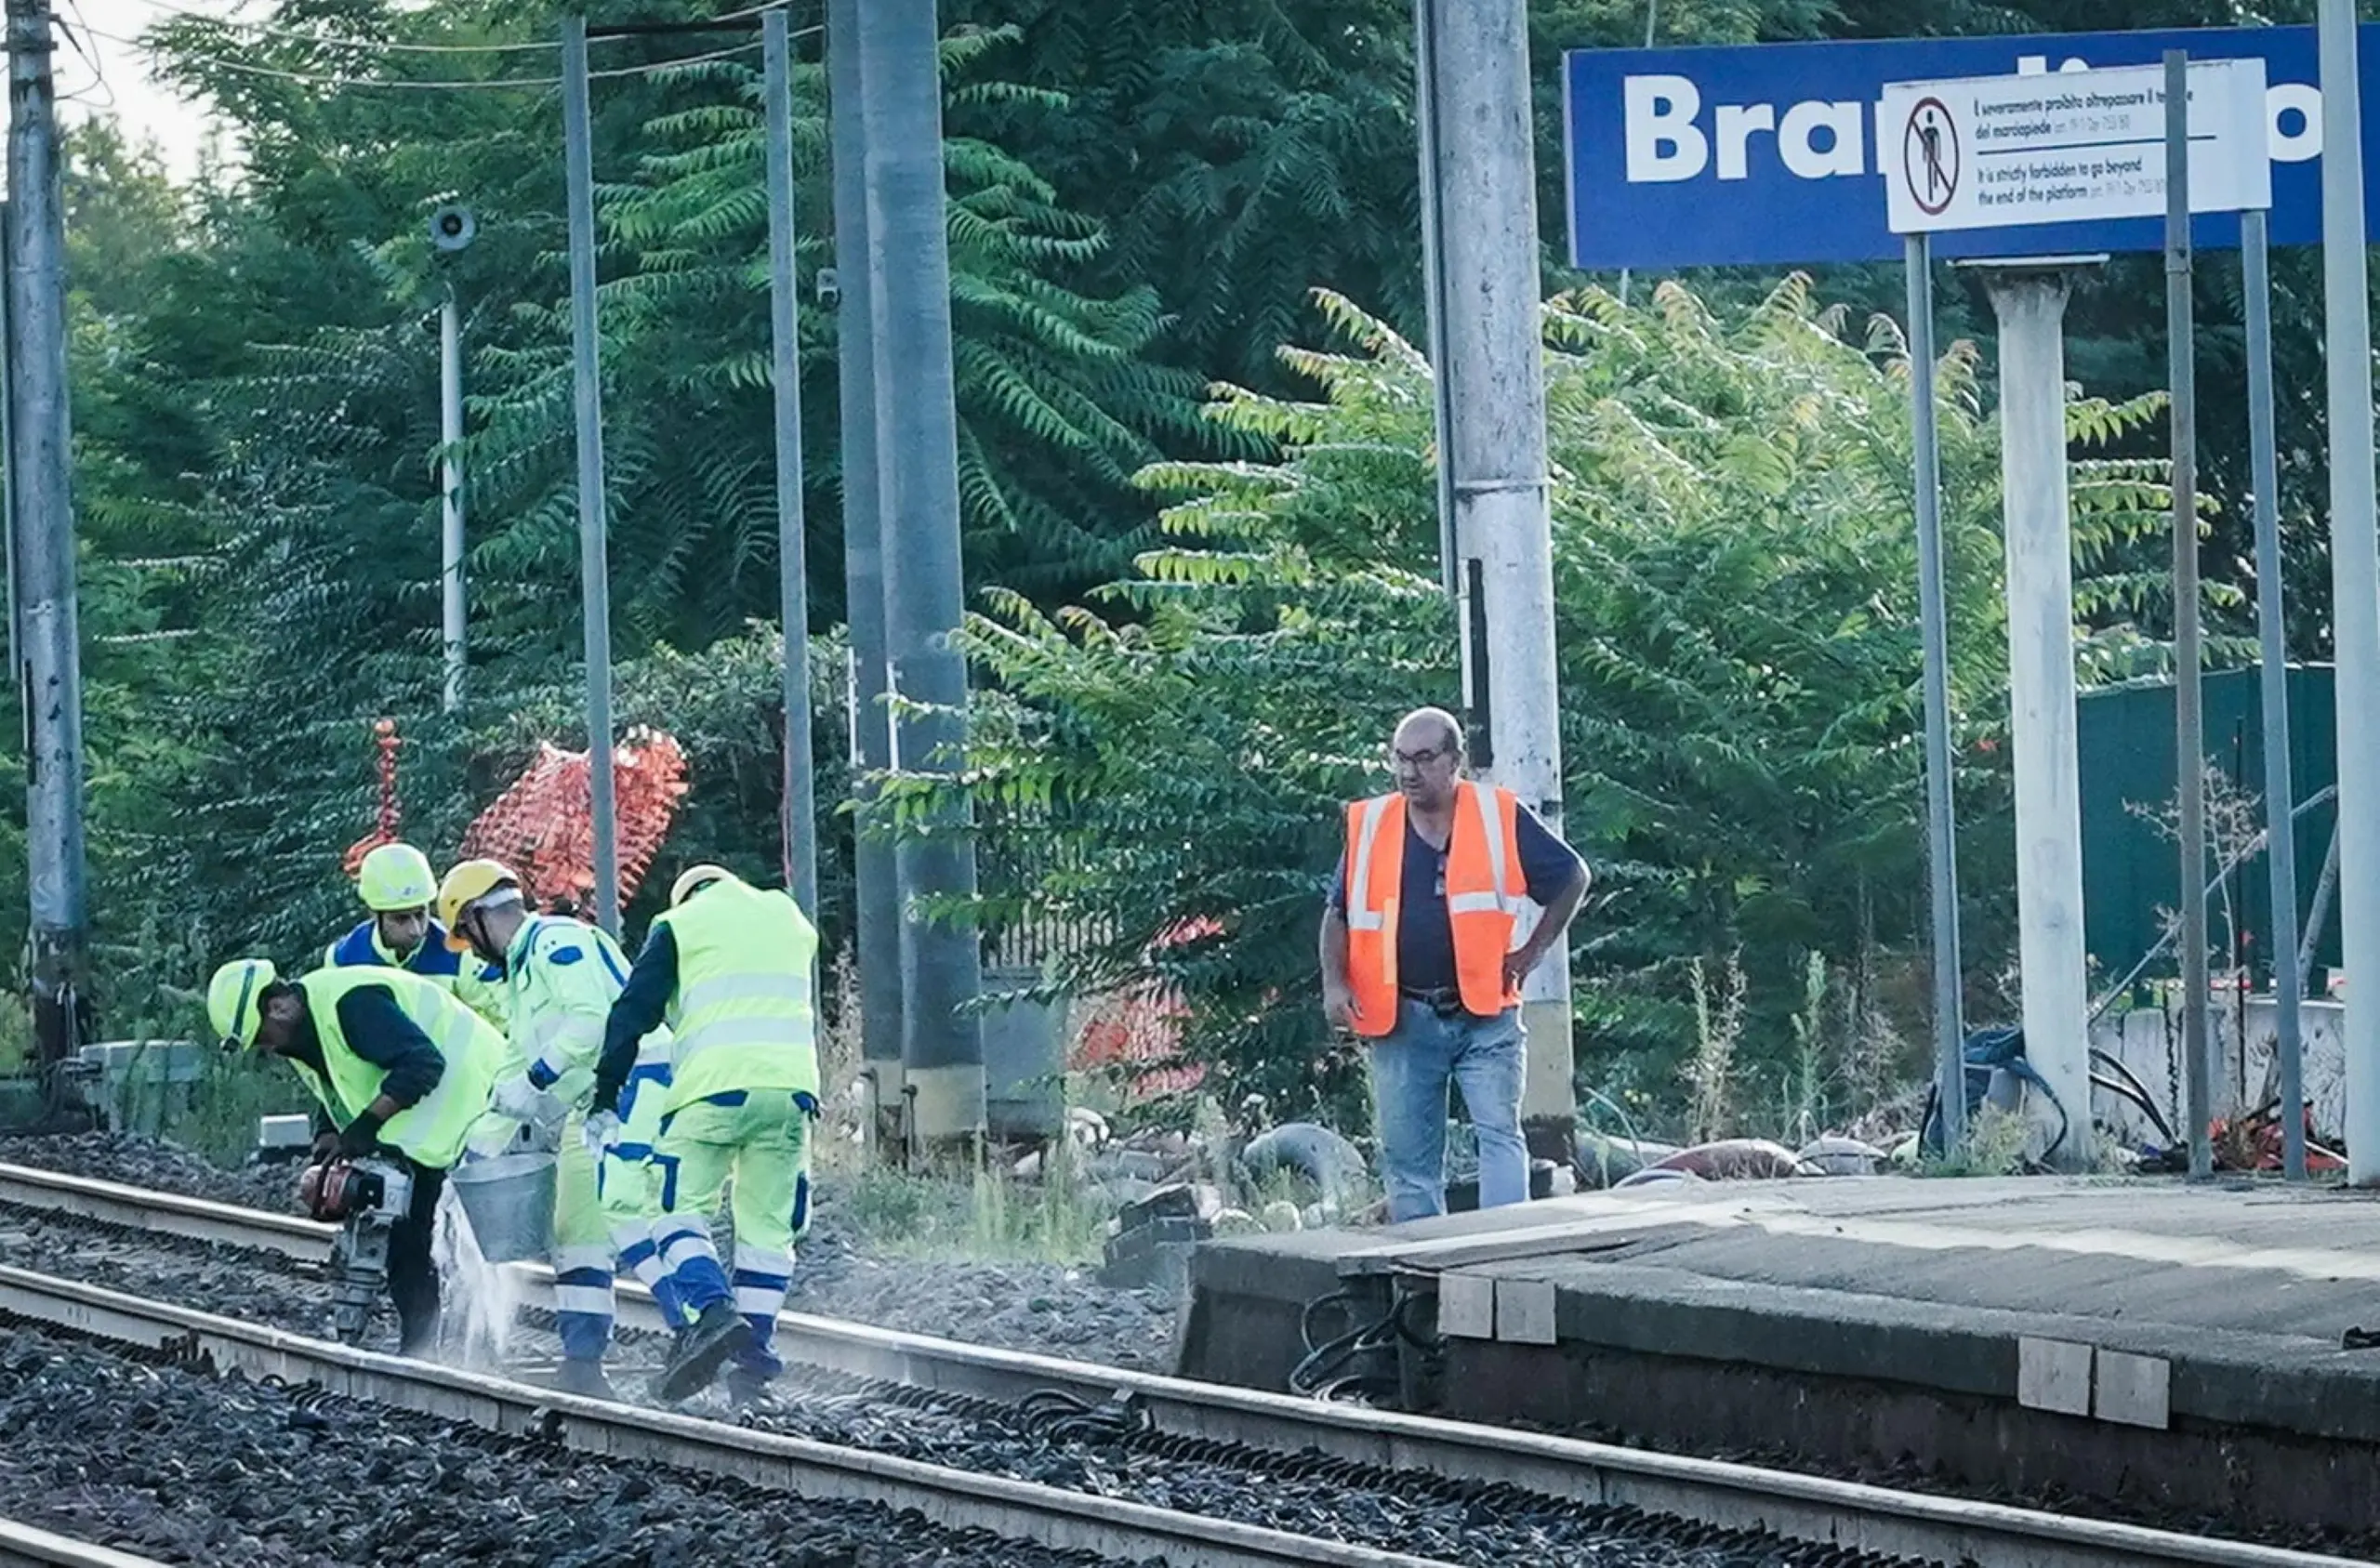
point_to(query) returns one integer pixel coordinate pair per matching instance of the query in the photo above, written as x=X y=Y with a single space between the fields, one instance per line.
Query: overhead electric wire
x=399 y=46
x=393 y=83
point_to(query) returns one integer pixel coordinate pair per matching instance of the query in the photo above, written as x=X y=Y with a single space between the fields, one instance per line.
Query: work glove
x=601 y=1132
x=325 y=1145
x=360 y=1137
x=524 y=1101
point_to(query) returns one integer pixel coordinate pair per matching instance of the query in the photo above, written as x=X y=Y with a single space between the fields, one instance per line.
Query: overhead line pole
x=800 y=802
x=875 y=892
x=917 y=440
x=2355 y=575
x=595 y=591
x=40 y=457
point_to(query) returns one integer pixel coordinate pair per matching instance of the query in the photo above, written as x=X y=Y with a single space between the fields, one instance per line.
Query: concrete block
x=1467 y=1305
x=2133 y=1390
x=1525 y=1311
x=2053 y=1374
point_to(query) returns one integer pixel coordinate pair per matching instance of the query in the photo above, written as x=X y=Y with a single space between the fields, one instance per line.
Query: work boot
x=719 y=1333
x=748 y=1385
x=586 y=1378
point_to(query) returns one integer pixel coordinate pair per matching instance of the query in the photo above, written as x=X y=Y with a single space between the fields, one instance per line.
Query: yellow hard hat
x=695 y=879
x=396 y=876
x=465 y=886
x=236 y=1000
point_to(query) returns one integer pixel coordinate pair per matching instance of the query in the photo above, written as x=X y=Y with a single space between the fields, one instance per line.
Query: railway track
x=1842 y=1516
x=22 y=1546
x=1047 y=1516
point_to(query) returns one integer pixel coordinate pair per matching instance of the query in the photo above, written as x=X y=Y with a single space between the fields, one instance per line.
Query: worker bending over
x=404 y=1069
x=397 y=886
x=728 y=967
x=561 y=976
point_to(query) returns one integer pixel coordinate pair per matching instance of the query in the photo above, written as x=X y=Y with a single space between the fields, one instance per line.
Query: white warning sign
x=2000 y=152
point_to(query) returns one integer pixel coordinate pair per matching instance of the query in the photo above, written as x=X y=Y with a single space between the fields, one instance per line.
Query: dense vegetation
x=1195 y=622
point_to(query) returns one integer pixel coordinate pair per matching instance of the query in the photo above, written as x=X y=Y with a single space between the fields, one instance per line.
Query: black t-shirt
x=1425 y=934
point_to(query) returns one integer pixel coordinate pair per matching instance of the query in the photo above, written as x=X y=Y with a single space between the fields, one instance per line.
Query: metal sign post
x=2280 y=800
x=2190 y=729
x=2022 y=153
x=1934 y=617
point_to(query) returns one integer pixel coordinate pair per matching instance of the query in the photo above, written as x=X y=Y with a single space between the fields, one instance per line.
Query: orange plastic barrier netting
x=385 y=831
x=543 y=826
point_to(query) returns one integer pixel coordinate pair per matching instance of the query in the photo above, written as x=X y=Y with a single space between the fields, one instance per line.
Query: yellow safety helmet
x=695 y=879
x=396 y=876
x=465 y=886
x=236 y=1000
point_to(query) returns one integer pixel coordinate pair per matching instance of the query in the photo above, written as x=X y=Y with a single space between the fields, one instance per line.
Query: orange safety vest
x=1484 y=892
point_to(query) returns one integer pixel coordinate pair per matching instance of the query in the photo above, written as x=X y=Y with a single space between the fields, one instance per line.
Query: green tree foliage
x=1736 y=587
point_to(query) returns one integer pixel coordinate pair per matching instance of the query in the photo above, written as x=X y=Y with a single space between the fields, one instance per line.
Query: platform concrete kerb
x=2138 y=1303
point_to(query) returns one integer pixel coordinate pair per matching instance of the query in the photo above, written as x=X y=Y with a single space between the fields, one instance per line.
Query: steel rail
x=1020 y=1510
x=1722 y=1494
x=22 y=1546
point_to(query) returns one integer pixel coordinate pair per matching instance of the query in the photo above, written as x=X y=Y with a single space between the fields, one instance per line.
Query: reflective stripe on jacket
x=431 y=1130
x=1484 y=887
x=743 y=1015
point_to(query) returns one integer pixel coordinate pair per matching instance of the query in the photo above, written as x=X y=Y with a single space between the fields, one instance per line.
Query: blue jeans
x=1410 y=1066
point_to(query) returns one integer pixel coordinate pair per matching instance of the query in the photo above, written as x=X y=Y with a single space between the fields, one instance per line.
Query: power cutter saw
x=364 y=1198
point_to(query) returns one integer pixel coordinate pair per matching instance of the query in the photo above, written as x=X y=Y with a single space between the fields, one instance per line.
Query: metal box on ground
x=142 y=1085
x=1025 y=1060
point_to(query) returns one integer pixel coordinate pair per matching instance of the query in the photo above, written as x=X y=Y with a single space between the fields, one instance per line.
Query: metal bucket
x=509 y=1201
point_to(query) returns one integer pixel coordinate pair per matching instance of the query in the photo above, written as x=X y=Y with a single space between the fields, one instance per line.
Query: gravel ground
x=1402 y=1511
x=1036 y=1307
x=173 y=1465
x=218 y=1512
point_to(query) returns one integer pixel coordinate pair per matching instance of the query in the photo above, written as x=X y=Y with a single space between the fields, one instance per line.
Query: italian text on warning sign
x=1996 y=151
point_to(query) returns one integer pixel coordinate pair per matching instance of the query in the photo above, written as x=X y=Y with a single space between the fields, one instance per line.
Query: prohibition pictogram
x=1929 y=156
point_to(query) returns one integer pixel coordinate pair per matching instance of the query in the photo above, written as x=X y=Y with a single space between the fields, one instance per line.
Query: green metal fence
x=2130 y=871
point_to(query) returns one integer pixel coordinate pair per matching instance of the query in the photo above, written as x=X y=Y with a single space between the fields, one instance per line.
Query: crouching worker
x=400 y=1065
x=728 y=967
x=561 y=976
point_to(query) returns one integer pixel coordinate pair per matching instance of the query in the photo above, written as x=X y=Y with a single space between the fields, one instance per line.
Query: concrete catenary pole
x=2281 y=794
x=2030 y=305
x=40 y=455
x=801 y=803
x=595 y=591
x=1474 y=100
x=450 y=489
x=876 y=928
x=916 y=447
x=2355 y=577
x=2189 y=723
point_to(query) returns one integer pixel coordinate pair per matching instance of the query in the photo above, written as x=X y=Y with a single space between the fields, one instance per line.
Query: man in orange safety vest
x=1419 y=960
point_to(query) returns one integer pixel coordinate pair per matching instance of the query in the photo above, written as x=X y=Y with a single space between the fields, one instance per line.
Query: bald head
x=1428 y=727
x=1426 y=757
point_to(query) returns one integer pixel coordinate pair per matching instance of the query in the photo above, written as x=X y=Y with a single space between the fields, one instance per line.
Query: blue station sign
x=1769 y=153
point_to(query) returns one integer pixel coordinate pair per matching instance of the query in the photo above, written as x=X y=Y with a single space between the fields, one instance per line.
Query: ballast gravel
x=174 y=1465
x=1042 y=1308
x=1058 y=1446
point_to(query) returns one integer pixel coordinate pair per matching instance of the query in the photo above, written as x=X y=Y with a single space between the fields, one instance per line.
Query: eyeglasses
x=1418 y=758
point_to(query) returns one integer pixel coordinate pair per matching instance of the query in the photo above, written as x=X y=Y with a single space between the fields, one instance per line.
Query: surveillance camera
x=451 y=227
x=830 y=288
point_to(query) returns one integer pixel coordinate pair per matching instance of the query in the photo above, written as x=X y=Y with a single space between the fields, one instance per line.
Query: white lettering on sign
x=1737 y=124
x=1838 y=123
x=1663 y=141
x=1669 y=138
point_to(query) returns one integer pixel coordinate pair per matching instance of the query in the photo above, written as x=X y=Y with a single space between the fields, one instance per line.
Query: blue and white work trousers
x=762 y=1139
